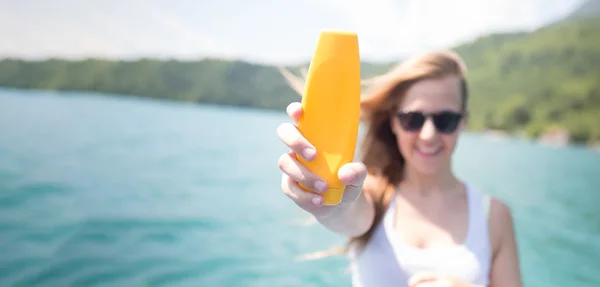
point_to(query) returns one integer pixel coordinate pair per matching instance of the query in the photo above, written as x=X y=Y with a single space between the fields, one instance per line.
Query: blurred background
x=138 y=146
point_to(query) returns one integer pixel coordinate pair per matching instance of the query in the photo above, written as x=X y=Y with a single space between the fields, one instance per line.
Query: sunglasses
x=445 y=121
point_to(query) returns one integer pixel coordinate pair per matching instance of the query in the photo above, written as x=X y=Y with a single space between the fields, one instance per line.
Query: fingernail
x=320 y=186
x=317 y=200
x=350 y=177
x=308 y=153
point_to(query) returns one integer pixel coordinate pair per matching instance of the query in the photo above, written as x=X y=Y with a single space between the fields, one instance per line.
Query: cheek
x=406 y=142
x=449 y=142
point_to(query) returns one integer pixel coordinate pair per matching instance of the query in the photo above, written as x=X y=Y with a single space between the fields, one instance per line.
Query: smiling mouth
x=428 y=152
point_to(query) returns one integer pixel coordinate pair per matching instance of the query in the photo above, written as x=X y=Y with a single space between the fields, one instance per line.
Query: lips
x=428 y=152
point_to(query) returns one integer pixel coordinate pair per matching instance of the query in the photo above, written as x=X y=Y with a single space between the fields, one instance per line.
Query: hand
x=351 y=174
x=431 y=279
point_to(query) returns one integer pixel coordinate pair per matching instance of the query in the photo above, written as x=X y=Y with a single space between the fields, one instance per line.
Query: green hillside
x=530 y=82
x=207 y=81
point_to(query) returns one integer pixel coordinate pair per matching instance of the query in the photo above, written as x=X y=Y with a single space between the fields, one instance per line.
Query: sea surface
x=100 y=190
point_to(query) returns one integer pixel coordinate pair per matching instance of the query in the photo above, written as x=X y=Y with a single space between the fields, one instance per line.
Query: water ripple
x=140 y=193
x=17 y=196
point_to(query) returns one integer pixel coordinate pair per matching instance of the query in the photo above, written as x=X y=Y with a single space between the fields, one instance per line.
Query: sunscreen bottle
x=331 y=108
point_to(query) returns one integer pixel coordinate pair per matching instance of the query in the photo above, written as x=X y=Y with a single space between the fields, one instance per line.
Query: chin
x=429 y=164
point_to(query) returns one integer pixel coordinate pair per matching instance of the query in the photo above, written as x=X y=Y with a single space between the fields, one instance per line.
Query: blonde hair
x=379 y=151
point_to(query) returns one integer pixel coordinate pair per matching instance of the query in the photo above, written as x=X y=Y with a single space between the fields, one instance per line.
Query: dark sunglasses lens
x=447 y=122
x=412 y=121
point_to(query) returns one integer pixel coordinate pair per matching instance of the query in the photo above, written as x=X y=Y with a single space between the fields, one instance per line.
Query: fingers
x=291 y=137
x=421 y=278
x=299 y=173
x=353 y=176
x=302 y=197
x=294 y=110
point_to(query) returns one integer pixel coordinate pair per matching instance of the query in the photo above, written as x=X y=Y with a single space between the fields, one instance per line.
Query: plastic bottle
x=331 y=108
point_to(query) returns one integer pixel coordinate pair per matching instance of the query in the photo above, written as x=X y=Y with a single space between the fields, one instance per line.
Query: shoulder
x=498 y=212
x=501 y=219
x=501 y=225
x=505 y=269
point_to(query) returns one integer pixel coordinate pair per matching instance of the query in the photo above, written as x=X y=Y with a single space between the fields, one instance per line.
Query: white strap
x=486 y=205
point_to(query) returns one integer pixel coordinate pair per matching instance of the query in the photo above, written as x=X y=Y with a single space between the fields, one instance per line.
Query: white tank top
x=385 y=262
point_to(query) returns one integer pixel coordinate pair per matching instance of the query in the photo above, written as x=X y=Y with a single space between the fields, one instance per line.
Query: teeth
x=429 y=150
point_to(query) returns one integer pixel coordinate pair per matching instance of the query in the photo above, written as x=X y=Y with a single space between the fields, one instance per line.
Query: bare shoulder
x=505 y=269
x=500 y=222
x=500 y=214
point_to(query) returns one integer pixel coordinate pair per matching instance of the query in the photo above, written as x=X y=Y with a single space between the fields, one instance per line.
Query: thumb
x=353 y=176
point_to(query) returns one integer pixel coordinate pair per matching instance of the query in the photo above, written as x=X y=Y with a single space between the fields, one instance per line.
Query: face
x=428 y=149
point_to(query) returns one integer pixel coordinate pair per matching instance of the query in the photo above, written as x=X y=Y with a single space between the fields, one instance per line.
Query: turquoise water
x=105 y=191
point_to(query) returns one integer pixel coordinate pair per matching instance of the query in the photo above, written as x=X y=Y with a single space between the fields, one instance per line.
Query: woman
x=410 y=220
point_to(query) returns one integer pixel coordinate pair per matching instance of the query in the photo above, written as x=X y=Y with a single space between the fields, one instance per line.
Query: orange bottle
x=331 y=108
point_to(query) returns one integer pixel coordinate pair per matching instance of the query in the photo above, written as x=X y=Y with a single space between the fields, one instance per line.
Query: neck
x=426 y=184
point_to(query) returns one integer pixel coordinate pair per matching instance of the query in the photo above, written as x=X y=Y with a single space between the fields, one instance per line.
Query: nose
x=428 y=131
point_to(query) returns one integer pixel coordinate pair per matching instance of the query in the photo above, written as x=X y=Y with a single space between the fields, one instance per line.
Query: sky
x=265 y=31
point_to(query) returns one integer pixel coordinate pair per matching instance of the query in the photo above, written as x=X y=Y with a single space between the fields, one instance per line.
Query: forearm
x=351 y=220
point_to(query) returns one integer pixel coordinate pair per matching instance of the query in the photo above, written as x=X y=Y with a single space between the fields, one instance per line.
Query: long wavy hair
x=378 y=150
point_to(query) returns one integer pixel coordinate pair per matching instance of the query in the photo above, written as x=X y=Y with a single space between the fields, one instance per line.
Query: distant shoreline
x=489 y=134
x=540 y=84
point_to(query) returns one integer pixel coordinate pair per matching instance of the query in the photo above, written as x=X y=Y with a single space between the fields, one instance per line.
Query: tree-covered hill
x=534 y=82
x=549 y=79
